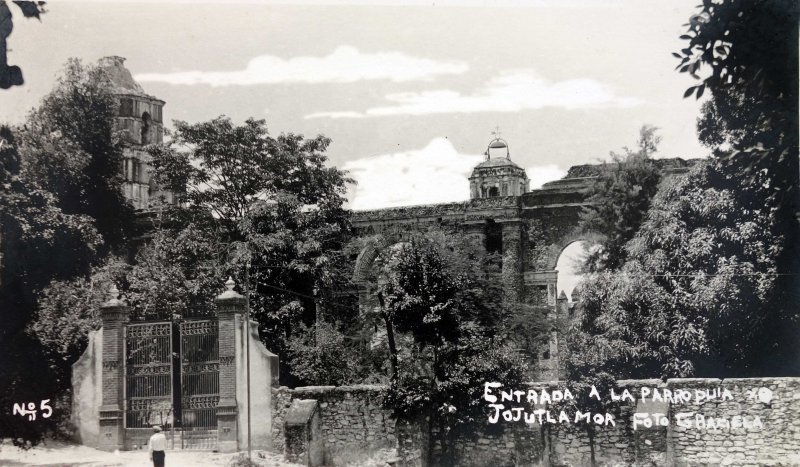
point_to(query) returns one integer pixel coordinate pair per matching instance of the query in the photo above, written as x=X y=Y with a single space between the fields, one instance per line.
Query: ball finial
x=113 y=292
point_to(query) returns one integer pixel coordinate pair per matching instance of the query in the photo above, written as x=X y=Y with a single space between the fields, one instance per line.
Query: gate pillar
x=114 y=314
x=229 y=303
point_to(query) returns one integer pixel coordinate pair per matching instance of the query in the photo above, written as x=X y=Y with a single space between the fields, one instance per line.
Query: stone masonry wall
x=355 y=423
x=776 y=401
x=690 y=442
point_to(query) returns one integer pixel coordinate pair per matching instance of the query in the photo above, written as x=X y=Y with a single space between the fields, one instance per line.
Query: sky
x=409 y=91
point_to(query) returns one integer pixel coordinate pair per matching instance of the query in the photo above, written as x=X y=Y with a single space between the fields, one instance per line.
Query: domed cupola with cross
x=497 y=175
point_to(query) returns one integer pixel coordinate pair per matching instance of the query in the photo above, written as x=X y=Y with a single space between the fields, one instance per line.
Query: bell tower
x=140 y=119
x=497 y=175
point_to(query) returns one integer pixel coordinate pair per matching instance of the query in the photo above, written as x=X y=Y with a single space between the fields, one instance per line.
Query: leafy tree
x=431 y=287
x=178 y=272
x=618 y=200
x=12 y=75
x=748 y=51
x=276 y=212
x=38 y=243
x=745 y=54
x=321 y=356
x=696 y=296
x=68 y=146
x=68 y=311
x=710 y=279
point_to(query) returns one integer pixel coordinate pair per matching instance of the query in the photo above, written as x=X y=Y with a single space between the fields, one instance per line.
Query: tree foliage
x=749 y=50
x=39 y=243
x=697 y=294
x=618 y=200
x=432 y=288
x=710 y=277
x=272 y=209
x=320 y=356
x=69 y=310
x=178 y=272
x=745 y=53
x=68 y=145
x=62 y=211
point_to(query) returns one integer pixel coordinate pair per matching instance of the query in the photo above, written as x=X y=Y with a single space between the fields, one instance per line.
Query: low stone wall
x=776 y=401
x=354 y=423
x=686 y=438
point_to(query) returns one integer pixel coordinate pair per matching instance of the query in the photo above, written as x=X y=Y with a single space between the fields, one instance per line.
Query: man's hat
x=156 y=428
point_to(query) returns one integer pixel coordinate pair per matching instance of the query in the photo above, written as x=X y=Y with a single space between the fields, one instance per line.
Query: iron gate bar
x=148 y=374
x=199 y=382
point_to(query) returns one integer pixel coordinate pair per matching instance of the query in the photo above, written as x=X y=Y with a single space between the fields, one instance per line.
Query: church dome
x=122 y=81
x=497 y=162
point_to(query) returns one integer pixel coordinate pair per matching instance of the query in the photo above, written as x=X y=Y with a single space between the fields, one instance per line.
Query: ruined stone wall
x=774 y=401
x=354 y=423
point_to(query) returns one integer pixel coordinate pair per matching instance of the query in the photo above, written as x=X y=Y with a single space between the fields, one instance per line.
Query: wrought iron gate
x=149 y=375
x=172 y=379
x=199 y=383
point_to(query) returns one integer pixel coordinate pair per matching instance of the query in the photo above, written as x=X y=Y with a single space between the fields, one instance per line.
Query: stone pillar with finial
x=229 y=304
x=114 y=314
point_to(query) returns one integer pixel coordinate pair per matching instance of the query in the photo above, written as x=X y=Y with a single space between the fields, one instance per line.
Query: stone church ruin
x=189 y=375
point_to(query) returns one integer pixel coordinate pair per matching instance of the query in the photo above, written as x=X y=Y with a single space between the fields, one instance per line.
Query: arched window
x=145 y=128
x=493 y=192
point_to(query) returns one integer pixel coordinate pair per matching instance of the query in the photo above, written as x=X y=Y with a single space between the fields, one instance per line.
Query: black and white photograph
x=399 y=233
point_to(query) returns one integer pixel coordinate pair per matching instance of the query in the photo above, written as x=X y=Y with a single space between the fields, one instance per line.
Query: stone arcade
x=529 y=228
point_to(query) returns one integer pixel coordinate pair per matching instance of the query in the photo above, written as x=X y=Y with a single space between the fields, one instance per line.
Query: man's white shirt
x=158 y=442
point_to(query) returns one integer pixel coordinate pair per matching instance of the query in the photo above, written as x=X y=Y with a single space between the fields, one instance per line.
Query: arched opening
x=569 y=266
x=145 y=128
x=493 y=192
x=494 y=236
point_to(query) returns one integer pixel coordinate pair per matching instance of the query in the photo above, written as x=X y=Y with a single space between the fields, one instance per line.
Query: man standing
x=157 y=446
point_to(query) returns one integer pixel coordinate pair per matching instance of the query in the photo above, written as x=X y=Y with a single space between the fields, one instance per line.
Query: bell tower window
x=145 y=128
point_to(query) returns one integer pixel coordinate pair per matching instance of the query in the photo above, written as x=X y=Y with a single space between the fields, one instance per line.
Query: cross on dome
x=496 y=132
x=497 y=143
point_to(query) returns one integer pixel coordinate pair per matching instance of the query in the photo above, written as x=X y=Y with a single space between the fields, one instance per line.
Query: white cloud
x=436 y=173
x=509 y=92
x=344 y=65
x=541 y=174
